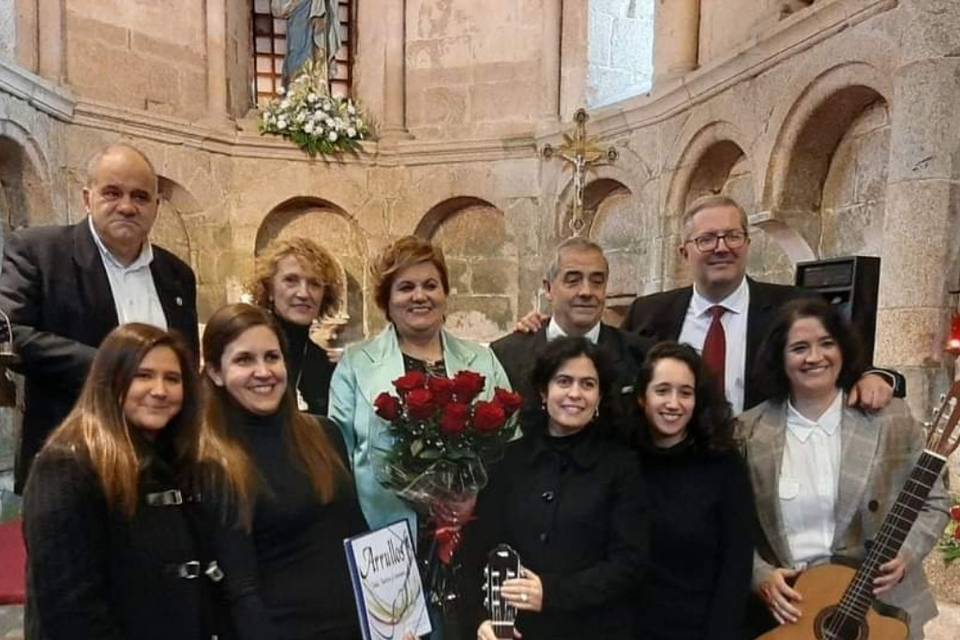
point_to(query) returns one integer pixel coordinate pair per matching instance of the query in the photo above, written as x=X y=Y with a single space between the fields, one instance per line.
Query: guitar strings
x=885 y=535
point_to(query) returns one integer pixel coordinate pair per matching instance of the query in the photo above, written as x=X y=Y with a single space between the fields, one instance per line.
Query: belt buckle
x=189 y=570
x=168 y=498
x=214 y=572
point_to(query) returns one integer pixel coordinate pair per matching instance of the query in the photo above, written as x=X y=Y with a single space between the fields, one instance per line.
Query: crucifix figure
x=581 y=153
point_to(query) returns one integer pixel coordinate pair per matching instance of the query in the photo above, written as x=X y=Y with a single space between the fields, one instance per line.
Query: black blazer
x=659 y=316
x=54 y=287
x=518 y=351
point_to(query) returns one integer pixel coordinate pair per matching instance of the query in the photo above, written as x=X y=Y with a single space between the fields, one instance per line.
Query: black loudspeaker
x=852 y=284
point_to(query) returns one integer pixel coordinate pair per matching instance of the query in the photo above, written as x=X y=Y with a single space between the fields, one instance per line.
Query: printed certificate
x=386 y=583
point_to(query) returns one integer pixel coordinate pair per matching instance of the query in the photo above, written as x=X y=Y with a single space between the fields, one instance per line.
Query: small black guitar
x=503 y=563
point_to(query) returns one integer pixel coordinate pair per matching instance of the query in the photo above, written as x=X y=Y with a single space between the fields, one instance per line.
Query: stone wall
x=620 y=50
x=157 y=54
x=463 y=79
x=831 y=126
x=8 y=29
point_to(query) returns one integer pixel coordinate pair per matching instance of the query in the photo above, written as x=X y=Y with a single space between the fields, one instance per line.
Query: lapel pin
x=179 y=301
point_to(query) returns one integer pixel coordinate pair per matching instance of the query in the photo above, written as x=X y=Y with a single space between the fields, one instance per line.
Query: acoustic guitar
x=838 y=600
x=503 y=563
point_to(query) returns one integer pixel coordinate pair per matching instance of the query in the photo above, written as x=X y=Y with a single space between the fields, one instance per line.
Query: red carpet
x=13 y=564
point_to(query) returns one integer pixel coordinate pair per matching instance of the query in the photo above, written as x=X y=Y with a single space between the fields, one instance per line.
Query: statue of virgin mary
x=313 y=33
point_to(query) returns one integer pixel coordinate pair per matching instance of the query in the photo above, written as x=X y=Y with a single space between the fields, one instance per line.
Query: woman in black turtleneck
x=297 y=281
x=286 y=573
x=701 y=503
x=569 y=499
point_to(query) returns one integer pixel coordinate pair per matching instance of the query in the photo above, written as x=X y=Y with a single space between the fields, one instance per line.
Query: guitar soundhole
x=833 y=624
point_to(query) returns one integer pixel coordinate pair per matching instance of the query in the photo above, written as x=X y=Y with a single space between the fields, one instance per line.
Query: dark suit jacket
x=518 y=351
x=659 y=316
x=54 y=287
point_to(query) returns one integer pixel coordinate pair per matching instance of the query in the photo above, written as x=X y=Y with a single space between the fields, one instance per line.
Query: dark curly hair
x=556 y=353
x=712 y=424
x=770 y=375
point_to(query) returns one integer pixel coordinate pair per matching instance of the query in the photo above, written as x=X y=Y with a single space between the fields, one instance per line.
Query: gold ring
x=523 y=596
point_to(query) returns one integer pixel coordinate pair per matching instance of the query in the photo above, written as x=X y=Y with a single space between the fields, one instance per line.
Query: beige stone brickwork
x=834 y=122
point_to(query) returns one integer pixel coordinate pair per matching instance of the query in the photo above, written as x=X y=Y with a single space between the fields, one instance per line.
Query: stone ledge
x=38 y=92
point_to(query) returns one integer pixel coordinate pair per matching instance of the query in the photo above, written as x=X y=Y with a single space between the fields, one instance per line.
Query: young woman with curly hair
x=701 y=504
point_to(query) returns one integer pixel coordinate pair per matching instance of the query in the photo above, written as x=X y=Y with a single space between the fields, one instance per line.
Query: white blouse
x=809 y=481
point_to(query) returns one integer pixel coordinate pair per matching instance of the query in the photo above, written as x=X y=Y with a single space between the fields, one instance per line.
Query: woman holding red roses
x=569 y=498
x=413 y=355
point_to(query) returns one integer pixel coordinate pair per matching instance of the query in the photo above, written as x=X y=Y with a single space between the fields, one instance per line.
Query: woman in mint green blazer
x=412 y=285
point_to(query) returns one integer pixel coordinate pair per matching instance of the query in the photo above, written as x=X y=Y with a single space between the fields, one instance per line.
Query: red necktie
x=715 y=347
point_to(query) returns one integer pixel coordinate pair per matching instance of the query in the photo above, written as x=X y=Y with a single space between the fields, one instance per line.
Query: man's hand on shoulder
x=532 y=322
x=872 y=392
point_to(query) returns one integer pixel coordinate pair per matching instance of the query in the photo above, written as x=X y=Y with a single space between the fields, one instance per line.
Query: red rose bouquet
x=440 y=441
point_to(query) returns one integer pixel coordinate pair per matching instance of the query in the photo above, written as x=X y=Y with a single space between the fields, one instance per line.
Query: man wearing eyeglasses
x=725 y=313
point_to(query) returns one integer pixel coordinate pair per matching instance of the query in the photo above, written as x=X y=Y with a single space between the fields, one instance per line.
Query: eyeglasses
x=710 y=241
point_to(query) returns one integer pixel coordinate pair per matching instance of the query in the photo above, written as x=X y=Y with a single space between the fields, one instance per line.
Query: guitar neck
x=859 y=595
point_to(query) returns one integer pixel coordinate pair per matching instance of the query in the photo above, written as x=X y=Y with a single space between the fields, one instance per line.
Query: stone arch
x=24 y=184
x=335 y=230
x=825 y=186
x=616 y=224
x=483 y=260
x=170 y=231
x=714 y=161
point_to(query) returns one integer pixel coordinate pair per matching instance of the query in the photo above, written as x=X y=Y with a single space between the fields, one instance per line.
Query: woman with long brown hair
x=117 y=547
x=287 y=575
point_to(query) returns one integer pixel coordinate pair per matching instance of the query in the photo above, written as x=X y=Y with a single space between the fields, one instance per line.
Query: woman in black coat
x=701 y=503
x=117 y=547
x=286 y=570
x=297 y=281
x=569 y=499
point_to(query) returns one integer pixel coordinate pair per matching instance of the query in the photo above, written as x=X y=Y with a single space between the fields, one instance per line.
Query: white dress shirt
x=554 y=331
x=133 y=289
x=734 y=321
x=809 y=482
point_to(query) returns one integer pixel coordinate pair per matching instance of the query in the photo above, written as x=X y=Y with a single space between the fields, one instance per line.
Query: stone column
x=50 y=45
x=393 y=14
x=920 y=254
x=550 y=60
x=26 y=29
x=216 y=28
x=676 y=38
x=575 y=33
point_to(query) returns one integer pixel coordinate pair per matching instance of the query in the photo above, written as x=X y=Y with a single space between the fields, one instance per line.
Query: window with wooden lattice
x=270 y=46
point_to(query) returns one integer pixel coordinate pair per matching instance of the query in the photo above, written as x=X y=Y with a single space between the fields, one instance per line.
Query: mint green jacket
x=366 y=370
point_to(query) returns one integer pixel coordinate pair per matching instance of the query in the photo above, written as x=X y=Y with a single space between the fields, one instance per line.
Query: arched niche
x=617 y=222
x=827 y=177
x=24 y=190
x=170 y=230
x=335 y=230
x=483 y=262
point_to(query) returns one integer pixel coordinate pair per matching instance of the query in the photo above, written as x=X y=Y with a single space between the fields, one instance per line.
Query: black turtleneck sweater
x=289 y=578
x=307 y=366
x=701 y=550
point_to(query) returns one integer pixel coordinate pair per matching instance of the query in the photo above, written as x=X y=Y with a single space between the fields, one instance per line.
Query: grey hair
x=577 y=243
x=95 y=159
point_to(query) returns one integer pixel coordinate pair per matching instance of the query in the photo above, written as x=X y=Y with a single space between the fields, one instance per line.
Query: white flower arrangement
x=312 y=119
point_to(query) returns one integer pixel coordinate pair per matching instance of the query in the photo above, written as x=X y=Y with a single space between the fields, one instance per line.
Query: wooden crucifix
x=581 y=153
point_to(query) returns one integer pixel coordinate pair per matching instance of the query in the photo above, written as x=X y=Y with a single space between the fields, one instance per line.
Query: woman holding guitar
x=569 y=499
x=826 y=475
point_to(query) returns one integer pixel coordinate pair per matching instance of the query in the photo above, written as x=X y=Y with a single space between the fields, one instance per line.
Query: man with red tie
x=724 y=314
